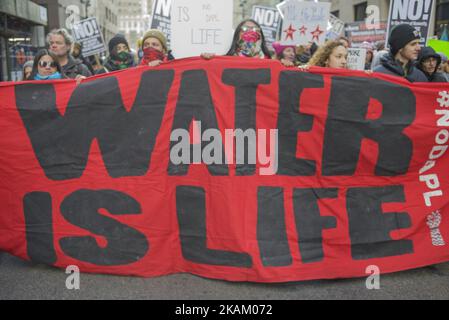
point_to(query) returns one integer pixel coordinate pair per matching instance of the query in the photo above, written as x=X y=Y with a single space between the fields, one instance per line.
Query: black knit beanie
x=401 y=35
x=116 y=41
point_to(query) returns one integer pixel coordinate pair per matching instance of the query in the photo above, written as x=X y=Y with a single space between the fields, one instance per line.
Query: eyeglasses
x=430 y=60
x=44 y=64
x=246 y=28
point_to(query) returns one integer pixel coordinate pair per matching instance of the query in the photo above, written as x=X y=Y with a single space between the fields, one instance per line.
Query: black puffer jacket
x=389 y=65
x=74 y=68
x=426 y=53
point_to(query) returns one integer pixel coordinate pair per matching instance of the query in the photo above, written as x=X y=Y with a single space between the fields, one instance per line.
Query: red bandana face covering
x=151 y=54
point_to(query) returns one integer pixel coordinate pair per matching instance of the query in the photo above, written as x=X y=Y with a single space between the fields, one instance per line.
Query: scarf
x=250 y=45
x=123 y=60
x=151 y=54
x=54 y=76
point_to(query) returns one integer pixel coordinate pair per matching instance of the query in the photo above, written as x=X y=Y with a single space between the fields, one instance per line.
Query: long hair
x=323 y=53
x=40 y=54
x=234 y=46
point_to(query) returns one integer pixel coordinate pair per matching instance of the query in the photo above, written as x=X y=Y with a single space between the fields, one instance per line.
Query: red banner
x=235 y=169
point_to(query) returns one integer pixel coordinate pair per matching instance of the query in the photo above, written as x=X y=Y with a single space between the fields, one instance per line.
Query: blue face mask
x=54 y=76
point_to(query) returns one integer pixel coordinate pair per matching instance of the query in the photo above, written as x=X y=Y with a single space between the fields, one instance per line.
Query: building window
x=360 y=11
x=336 y=13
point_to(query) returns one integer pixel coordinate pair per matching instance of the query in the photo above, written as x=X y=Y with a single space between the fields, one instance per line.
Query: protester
x=404 y=49
x=46 y=67
x=378 y=57
x=303 y=54
x=444 y=66
x=248 y=41
x=332 y=55
x=345 y=42
x=77 y=53
x=120 y=56
x=429 y=62
x=60 y=43
x=380 y=46
x=369 y=54
x=286 y=54
x=155 y=49
x=26 y=70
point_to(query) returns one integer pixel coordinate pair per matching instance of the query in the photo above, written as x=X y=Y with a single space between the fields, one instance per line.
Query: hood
x=428 y=52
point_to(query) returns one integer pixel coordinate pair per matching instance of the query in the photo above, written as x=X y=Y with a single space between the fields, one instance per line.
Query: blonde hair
x=322 y=55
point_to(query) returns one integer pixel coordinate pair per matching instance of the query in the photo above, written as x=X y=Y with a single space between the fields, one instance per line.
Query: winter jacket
x=390 y=66
x=426 y=53
x=74 y=68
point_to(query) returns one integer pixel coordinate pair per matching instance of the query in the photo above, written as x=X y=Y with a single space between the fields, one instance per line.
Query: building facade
x=22 y=33
x=355 y=10
x=63 y=13
x=134 y=19
x=107 y=14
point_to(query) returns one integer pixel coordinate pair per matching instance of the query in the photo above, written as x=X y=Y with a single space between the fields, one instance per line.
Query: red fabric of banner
x=87 y=177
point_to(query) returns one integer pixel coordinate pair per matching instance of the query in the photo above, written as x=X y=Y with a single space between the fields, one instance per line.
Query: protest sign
x=335 y=28
x=201 y=26
x=88 y=33
x=161 y=17
x=106 y=175
x=416 y=13
x=269 y=20
x=337 y=25
x=359 y=32
x=439 y=46
x=304 y=22
x=356 y=59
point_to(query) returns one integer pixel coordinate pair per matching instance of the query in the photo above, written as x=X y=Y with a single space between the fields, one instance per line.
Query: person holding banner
x=46 y=67
x=428 y=62
x=248 y=41
x=332 y=55
x=286 y=54
x=120 y=57
x=155 y=49
x=60 y=43
x=404 y=49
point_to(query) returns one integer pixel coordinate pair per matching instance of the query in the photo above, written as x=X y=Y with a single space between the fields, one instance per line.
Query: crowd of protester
x=405 y=58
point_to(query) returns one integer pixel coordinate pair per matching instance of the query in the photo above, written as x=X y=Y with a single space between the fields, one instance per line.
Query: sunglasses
x=255 y=29
x=44 y=64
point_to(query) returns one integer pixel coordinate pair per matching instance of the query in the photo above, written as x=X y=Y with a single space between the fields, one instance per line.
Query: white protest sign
x=201 y=26
x=305 y=22
x=356 y=59
x=336 y=25
x=88 y=33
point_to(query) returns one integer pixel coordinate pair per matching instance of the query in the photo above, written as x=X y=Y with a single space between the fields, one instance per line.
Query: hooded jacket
x=388 y=65
x=75 y=67
x=426 y=53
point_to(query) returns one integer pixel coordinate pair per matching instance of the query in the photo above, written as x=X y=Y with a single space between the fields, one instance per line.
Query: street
x=24 y=280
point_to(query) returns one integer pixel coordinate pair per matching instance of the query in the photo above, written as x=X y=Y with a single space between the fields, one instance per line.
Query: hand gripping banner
x=235 y=169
